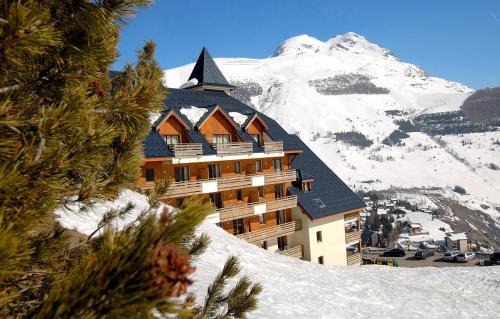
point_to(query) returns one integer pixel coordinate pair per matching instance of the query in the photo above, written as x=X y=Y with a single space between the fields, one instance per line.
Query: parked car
x=395 y=252
x=451 y=255
x=424 y=253
x=495 y=258
x=465 y=257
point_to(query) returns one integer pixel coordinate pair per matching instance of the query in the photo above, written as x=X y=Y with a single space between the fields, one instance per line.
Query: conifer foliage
x=69 y=132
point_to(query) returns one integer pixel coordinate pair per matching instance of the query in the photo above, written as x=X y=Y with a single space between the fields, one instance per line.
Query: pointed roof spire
x=206 y=71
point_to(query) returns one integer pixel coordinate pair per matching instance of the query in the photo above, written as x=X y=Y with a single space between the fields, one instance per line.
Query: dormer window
x=221 y=138
x=306 y=186
x=172 y=139
x=257 y=138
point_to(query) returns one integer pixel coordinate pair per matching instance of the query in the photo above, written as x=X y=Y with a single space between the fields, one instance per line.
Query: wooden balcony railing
x=352 y=236
x=236 y=148
x=273 y=147
x=281 y=203
x=183 y=150
x=271 y=232
x=185 y=188
x=247 y=210
x=293 y=252
x=281 y=177
x=193 y=187
x=354 y=259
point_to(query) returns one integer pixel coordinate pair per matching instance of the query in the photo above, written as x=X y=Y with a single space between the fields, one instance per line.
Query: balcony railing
x=281 y=177
x=251 y=209
x=183 y=150
x=236 y=148
x=273 y=147
x=293 y=252
x=193 y=187
x=352 y=236
x=354 y=259
x=271 y=232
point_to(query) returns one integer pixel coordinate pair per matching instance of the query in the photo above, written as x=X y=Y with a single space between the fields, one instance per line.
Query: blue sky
x=455 y=39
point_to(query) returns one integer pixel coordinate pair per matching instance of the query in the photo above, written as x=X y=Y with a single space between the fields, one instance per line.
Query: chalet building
x=265 y=185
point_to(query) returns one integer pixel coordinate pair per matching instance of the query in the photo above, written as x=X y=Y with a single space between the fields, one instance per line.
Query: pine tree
x=70 y=132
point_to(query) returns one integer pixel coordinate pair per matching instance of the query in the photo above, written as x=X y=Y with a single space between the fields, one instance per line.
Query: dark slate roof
x=207 y=72
x=329 y=194
x=155 y=146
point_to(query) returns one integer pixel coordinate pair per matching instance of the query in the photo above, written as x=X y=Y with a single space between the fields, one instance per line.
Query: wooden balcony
x=184 y=150
x=234 y=182
x=354 y=259
x=260 y=235
x=352 y=236
x=185 y=188
x=293 y=252
x=236 y=148
x=250 y=209
x=273 y=147
x=281 y=177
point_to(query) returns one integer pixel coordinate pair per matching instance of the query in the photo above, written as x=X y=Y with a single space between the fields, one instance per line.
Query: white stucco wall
x=332 y=246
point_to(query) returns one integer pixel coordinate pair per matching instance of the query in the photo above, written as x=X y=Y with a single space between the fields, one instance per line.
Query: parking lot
x=433 y=261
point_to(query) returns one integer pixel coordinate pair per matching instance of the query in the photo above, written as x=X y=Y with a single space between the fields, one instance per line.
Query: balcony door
x=282 y=243
x=221 y=138
x=238 y=226
x=214 y=171
x=280 y=217
x=182 y=173
x=216 y=199
x=278 y=191
x=277 y=165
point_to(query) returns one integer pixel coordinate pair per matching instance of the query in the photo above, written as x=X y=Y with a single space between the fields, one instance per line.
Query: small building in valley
x=456 y=241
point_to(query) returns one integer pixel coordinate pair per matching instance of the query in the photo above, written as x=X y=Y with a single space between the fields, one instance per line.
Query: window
x=306 y=186
x=264 y=245
x=238 y=226
x=150 y=174
x=261 y=191
x=220 y=138
x=278 y=191
x=239 y=195
x=262 y=219
x=258 y=166
x=216 y=199
x=280 y=217
x=172 y=139
x=319 y=236
x=237 y=167
x=181 y=173
x=282 y=243
x=277 y=165
x=214 y=171
x=256 y=138
x=320 y=260
x=319 y=203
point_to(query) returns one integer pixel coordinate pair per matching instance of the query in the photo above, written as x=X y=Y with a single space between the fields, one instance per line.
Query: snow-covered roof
x=381 y=211
x=193 y=113
x=456 y=236
x=238 y=117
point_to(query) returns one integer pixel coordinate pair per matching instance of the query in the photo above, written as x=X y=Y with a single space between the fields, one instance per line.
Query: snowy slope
x=294 y=86
x=299 y=289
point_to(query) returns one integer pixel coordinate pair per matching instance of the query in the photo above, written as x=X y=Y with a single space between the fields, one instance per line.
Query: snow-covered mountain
x=347 y=84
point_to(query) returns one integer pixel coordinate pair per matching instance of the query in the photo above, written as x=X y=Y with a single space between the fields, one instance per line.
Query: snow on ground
x=429 y=224
x=193 y=113
x=297 y=289
x=300 y=289
x=238 y=117
x=84 y=219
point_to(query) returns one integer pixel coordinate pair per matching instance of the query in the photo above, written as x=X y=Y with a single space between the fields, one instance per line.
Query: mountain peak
x=301 y=44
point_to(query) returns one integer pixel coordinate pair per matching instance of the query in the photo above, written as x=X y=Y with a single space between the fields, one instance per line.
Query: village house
x=456 y=241
x=265 y=186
